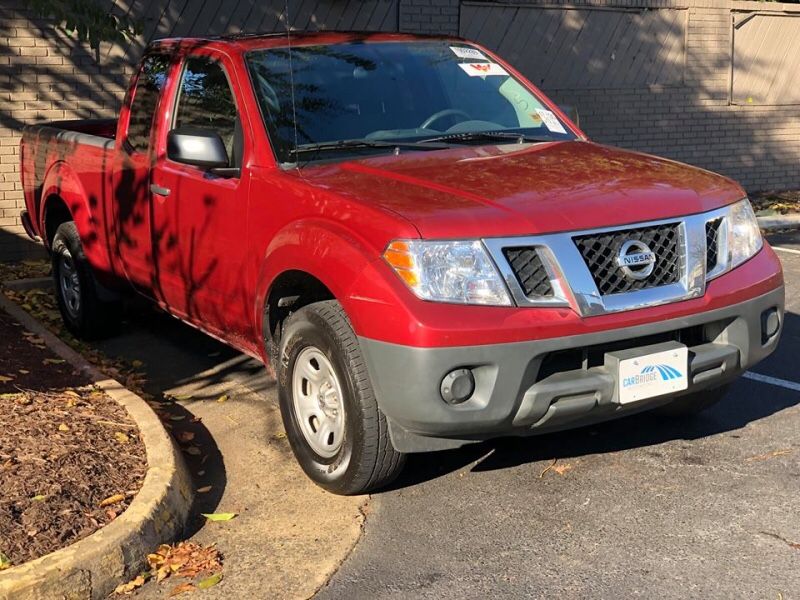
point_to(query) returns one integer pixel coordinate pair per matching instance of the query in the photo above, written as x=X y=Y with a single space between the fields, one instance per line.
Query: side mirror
x=571 y=112
x=199 y=147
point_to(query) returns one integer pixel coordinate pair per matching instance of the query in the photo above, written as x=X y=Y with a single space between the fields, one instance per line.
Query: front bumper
x=524 y=388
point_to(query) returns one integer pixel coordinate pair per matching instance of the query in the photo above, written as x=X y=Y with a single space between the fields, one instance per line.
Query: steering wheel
x=447 y=112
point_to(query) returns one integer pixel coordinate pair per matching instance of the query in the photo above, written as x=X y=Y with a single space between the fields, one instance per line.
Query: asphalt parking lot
x=635 y=508
x=640 y=507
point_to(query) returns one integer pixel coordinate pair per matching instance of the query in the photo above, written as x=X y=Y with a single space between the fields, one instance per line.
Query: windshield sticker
x=461 y=52
x=550 y=121
x=482 y=69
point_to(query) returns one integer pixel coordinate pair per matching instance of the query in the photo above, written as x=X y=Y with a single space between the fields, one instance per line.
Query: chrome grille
x=712 y=244
x=529 y=271
x=600 y=251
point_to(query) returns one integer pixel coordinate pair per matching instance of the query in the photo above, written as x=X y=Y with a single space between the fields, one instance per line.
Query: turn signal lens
x=398 y=255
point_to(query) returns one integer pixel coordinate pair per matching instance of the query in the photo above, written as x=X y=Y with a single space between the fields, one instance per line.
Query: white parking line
x=789 y=385
x=789 y=250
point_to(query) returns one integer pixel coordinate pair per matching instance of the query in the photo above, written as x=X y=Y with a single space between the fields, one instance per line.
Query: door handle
x=158 y=190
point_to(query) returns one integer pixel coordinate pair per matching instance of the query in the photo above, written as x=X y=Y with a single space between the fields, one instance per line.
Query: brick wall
x=46 y=75
x=430 y=16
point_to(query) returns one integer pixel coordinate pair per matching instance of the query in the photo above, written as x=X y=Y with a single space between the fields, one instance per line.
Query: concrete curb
x=36 y=283
x=94 y=566
x=779 y=222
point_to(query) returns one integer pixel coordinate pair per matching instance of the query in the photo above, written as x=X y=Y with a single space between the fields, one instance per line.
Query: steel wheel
x=70 y=283
x=318 y=402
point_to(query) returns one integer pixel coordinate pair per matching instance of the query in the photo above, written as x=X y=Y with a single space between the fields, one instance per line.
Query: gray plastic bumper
x=521 y=390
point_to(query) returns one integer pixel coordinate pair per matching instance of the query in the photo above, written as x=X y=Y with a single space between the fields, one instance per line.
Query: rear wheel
x=693 y=404
x=84 y=313
x=337 y=432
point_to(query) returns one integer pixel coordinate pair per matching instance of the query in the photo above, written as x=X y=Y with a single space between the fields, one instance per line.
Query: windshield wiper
x=476 y=136
x=362 y=143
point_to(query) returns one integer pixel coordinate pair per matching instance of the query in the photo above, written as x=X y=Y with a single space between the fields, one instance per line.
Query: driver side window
x=205 y=101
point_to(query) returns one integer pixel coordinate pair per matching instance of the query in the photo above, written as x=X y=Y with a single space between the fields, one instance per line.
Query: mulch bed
x=26 y=269
x=71 y=459
x=784 y=202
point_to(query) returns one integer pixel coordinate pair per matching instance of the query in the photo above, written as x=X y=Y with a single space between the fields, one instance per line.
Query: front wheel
x=336 y=430
x=85 y=314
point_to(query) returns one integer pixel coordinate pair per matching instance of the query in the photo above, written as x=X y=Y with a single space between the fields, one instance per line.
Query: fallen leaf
x=137 y=364
x=548 y=467
x=24 y=371
x=193 y=450
x=219 y=516
x=121 y=437
x=184 y=559
x=204 y=490
x=794 y=545
x=72 y=393
x=769 y=455
x=131 y=586
x=208 y=582
x=223 y=398
x=112 y=500
x=53 y=361
x=561 y=469
x=5 y=562
x=63 y=427
x=4 y=379
x=38 y=498
x=182 y=588
x=185 y=436
x=177 y=417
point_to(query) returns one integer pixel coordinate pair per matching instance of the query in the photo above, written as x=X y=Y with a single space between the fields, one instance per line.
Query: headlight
x=744 y=236
x=459 y=272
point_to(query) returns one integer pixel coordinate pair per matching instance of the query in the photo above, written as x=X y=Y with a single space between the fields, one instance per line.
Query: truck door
x=200 y=215
x=130 y=195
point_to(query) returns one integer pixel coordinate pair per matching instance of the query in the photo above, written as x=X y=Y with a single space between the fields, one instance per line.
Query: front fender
x=336 y=256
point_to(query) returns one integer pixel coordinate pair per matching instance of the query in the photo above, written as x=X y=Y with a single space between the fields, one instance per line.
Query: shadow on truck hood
x=525 y=189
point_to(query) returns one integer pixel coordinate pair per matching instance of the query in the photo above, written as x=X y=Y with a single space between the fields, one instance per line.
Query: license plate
x=653 y=374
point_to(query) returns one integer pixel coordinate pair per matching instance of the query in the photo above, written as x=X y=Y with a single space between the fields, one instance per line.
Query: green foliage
x=87 y=20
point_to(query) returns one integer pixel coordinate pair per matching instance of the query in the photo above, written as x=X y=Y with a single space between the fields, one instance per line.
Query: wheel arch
x=314 y=261
x=290 y=291
x=64 y=198
x=54 y=213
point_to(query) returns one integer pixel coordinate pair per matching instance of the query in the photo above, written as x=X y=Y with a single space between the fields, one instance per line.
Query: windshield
x=391 y=92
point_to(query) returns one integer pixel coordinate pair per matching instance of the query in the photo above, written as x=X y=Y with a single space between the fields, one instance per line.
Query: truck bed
x=84 y=145
x=104 y=128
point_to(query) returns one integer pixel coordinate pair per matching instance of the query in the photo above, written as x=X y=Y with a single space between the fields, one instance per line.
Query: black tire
x=88 y=317
x=692 y=404
x=366 y=459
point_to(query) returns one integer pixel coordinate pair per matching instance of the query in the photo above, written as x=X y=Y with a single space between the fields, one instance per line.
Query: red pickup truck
x=426 y=249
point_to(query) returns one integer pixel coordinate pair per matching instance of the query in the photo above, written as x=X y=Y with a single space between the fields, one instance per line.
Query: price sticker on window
x=550 y=121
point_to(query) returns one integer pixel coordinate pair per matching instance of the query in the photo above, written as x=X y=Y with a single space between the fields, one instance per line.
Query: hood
x=491 y=191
